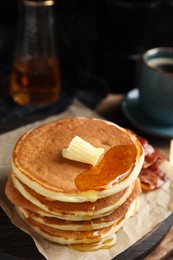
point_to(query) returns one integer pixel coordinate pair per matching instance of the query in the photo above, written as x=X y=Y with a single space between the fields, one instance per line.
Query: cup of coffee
x=155 y=82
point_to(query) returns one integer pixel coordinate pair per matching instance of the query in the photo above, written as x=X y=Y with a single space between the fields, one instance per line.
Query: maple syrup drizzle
x=114 y=167
x=105 y=243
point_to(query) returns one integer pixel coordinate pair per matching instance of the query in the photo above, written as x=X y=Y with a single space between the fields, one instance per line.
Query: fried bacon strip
x=151 y=176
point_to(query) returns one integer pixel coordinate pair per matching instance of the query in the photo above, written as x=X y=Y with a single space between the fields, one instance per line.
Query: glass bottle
x=36 y=71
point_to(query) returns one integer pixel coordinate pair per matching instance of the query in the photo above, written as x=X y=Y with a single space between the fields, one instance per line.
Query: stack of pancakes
x=70 y=202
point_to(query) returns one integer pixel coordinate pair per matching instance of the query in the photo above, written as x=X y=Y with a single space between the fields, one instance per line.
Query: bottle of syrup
x=36 y=72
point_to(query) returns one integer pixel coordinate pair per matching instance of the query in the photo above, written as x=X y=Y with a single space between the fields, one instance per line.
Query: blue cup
x=155 y=83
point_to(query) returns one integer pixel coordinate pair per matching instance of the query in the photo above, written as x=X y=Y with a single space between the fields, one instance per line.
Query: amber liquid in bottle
x=36 y=82
x=36 y=73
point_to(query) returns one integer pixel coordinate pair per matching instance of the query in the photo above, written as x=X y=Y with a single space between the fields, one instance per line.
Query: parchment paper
x=155 y=206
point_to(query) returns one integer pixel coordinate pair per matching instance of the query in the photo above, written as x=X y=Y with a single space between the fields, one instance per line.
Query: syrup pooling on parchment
x=115 y=166
x=105 y=243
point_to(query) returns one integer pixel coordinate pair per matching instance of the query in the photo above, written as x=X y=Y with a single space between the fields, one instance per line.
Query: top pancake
x=37 y=160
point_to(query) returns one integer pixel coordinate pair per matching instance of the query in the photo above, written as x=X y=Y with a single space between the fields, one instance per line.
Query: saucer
x=131 y=109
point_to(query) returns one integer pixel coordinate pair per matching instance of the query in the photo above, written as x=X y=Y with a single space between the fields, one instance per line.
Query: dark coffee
x=164 y=64
x=166 y=67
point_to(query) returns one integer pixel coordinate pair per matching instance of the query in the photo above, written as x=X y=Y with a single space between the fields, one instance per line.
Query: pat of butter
x=82 y=151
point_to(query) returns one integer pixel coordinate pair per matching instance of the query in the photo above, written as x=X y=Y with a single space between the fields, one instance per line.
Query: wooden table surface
x=159 y=246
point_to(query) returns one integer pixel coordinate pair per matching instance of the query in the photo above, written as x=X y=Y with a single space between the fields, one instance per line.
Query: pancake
x=69 y=210
x=16 y=198
x=30 y=210
x=98 y=223
x=68 y=237
x=38 y=163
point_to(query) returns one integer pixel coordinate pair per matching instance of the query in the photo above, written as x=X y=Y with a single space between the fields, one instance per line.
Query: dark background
x=99 y=41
